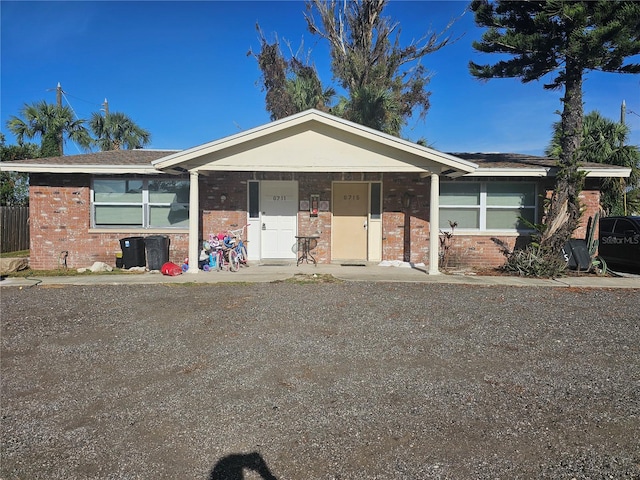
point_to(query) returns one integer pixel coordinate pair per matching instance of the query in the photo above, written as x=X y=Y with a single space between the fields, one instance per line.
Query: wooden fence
x=14 y=232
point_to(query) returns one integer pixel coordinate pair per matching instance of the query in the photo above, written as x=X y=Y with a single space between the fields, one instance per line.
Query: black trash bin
x=576 y=254
x=133 y=252
x=157 y=251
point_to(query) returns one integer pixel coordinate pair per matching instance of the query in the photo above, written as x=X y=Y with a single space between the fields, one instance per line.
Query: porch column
x=434 y=222
x=194 y=222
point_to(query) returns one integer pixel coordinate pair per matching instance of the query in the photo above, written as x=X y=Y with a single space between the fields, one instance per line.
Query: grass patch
x=19 y=254
x=61 y=272
x=304 y=278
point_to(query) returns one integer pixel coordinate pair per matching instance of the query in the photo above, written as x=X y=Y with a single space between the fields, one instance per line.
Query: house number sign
x=351 y=198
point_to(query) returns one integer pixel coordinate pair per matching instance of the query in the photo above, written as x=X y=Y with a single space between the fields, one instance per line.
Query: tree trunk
x=564 y=210
x=51 y=146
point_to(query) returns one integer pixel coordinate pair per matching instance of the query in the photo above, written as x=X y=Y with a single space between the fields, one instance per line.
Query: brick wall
x=316 y=184
x=393 y=231
x=223 y=201
x=590 y=200
x=476 y=251
x=407 y=229
x=480 y=251
x=60 y=219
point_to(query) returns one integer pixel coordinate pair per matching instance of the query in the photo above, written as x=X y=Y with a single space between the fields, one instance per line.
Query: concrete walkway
x=280 y=272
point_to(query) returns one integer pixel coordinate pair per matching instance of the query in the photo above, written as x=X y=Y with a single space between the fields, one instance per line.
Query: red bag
x=171 y=269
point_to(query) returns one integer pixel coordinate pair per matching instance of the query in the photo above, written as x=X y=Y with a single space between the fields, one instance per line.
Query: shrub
x=535 y=261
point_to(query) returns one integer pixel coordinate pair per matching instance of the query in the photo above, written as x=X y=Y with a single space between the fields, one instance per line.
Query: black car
x=620 y=243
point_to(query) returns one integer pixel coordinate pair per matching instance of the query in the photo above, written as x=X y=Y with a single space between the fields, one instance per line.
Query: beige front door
x=349 y=227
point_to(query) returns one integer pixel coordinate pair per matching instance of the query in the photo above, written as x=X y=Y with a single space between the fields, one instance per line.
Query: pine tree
x=559 y=41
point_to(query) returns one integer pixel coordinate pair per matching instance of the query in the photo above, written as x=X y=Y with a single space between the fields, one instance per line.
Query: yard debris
x=401 y=264
x=137 y=269
x=97 y=267
x=13 y=264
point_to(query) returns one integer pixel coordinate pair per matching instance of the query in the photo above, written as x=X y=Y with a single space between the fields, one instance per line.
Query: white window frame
x=483 y=207
x=144 y=203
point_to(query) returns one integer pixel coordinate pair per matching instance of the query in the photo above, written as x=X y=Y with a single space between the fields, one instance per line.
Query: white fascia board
x=94 y=169
x=548 y=172
x=311 y=168
x=509 y=172
x=407 y=146
x=226 y=142
x=608 y=172
x=306 y=117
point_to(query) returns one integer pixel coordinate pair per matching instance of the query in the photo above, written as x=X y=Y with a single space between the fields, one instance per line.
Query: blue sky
x=181 y=70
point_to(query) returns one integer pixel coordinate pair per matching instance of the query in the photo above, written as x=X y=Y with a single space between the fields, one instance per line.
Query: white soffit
x=314 y=141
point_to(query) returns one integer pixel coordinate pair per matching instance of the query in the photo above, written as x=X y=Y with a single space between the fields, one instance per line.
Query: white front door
x=279 y=215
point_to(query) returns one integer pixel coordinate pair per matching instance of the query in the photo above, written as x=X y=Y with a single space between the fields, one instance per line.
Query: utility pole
x=59 y=102
x=623 y=114
x=106 y=108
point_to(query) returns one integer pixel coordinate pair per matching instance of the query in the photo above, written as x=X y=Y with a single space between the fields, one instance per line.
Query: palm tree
x=604 y=141
x=633 y=201
x=306 y=92
x=53 y=124
x=116 y=131
x=372 y=107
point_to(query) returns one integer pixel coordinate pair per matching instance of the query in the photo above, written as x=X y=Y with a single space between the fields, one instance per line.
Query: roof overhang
x=313 y=141
x=112 y=162
x=91 y=169
x=591 y=172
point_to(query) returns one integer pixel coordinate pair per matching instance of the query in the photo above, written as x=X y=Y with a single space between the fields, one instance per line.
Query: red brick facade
x=60 y=220
x=60 y=223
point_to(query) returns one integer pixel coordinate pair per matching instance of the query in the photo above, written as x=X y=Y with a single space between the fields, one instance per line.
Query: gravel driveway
x=319 y=381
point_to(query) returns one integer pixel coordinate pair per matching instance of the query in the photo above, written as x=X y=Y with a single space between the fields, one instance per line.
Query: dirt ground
x=323 y=380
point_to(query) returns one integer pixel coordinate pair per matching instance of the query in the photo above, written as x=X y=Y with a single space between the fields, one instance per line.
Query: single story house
x=366 y=195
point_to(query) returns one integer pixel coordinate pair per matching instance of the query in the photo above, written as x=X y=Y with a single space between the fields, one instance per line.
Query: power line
x=83 y=100
x=60 y=94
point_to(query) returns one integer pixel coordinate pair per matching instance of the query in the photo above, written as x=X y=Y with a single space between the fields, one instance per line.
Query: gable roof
x=310 y=141
x=314 y=141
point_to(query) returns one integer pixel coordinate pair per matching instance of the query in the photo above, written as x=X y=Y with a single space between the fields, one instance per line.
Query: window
x=140 y=203
x=376 y=201
x=254 y=200
x=488 y=205
x=624 y=226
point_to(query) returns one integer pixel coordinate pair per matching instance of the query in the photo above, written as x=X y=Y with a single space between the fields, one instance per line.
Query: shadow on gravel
x=232 y=466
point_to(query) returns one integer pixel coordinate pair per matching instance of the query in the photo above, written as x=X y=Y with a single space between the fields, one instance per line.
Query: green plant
x=598 y=264
x=535 y=260
x=446 y=241
x=20 y=253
